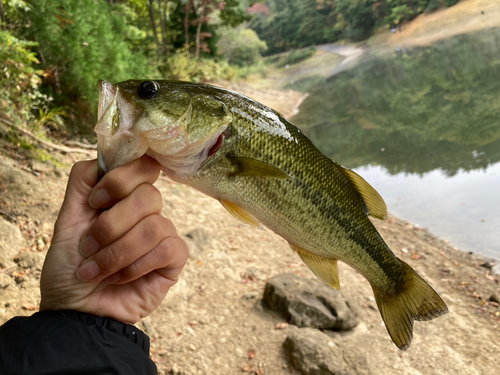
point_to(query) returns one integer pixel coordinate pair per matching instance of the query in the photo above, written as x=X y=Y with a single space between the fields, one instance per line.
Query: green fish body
x=265 y=171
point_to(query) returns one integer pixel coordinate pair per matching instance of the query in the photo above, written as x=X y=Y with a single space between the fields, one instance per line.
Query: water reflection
x=408 y=118
x=432 y=107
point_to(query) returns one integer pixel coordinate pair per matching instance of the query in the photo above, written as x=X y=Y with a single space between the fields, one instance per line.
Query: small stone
x=197 y=240
x=192 y=347
x=5 y=281
x=239 y=352
x=250 y=295
x=11 y=241
x=494 y=298
x=30 y=259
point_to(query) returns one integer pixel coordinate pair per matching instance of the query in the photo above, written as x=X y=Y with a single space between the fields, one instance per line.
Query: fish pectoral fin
x=415 y=301
x=324 y=268
x=241 y=214
x=254 y=167
x=374 y=202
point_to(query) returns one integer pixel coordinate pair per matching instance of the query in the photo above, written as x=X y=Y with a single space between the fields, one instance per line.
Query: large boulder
x=11 y=241
x=312 y=352
x=308 y=303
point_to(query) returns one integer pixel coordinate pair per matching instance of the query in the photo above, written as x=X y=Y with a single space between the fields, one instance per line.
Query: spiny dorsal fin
x=325 y=269
x=254 y=167
x=374 y=202
x=241 y=214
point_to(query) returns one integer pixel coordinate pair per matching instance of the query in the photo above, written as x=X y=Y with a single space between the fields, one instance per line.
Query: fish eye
x=147 y=90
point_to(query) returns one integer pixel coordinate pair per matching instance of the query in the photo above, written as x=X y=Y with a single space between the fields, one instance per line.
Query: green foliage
x=80 y=42
x=241 y=46
x=292 y=24
x=19 y=80
x=184 y=67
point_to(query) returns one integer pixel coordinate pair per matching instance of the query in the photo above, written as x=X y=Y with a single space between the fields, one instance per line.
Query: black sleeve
x=71 y=343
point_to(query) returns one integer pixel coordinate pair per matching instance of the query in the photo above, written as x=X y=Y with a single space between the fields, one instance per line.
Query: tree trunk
x=153 y=24
x=189 y=4
x=2 y=16
x=165 y=17
x=162 y=25
x=198 y=28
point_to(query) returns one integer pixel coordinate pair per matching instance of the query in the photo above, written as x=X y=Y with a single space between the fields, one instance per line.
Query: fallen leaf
x=27 y=306
x=281 y=326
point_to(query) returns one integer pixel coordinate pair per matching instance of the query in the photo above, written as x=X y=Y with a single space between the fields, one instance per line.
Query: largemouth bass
x=264 y=171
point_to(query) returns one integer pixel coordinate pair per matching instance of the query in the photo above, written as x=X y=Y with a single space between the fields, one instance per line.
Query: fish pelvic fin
x=417 y=301
x=324 y=268
x=253 y=167
x=241 y=214
x=374 y=202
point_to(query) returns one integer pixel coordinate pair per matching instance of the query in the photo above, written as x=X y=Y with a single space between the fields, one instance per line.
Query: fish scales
x=264 y=170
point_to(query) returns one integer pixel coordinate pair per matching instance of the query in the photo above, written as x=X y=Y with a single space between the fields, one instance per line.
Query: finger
x=167 y=258
x=145 y=200
x=120 y=182
x=134 y=244
x=82 y=179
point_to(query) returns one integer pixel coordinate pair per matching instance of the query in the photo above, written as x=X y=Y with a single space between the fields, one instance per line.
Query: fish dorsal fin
x=241 y=214
x=254 y=167
x=374 y=202
x=325 y=269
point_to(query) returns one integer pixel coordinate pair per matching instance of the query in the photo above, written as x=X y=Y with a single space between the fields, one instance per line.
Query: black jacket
x=71 y=343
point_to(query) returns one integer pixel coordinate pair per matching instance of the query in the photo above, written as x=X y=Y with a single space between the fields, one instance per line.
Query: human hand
x=119 y=263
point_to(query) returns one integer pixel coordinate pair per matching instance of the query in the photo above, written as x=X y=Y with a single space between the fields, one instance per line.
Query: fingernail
x=114 y=278
x=88 y=271
x=99 y=198
x=88 y=246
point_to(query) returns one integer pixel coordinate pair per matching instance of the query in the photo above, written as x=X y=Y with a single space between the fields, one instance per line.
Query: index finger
x=120 y=182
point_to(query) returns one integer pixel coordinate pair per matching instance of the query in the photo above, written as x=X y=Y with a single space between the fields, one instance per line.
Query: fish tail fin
x=416 y=301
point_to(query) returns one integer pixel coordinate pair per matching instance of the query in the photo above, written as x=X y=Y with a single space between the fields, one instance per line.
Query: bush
x=19 y=81
x=241 y=46
x=184 y=67
x=296 y=56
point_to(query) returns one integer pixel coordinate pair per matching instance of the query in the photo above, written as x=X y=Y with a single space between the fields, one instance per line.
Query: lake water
x=423 y=127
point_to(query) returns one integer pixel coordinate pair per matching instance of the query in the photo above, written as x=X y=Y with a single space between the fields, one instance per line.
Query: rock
x=30 y=259
x=11 y=241
x=311 y=352
x=197 y=240
x=494 y=298
x=5 y=281
x=308 y=303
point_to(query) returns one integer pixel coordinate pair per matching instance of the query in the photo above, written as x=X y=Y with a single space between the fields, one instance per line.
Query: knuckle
x=148 y=197
x=113 y=260
x=152 y=227
x=106 y=229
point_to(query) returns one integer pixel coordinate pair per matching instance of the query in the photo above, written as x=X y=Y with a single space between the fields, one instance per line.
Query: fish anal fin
x=374 y=202
x=241 y=214
x=417 y=301
x=253 y=167
x=325 y=269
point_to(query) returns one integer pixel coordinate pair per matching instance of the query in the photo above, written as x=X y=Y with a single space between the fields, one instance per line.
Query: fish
x=265 y=172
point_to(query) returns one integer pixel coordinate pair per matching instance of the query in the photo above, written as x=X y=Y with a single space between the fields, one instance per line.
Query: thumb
x=75 y=208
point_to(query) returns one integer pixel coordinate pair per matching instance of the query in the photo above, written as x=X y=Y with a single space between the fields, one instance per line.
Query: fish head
x=175 y=122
